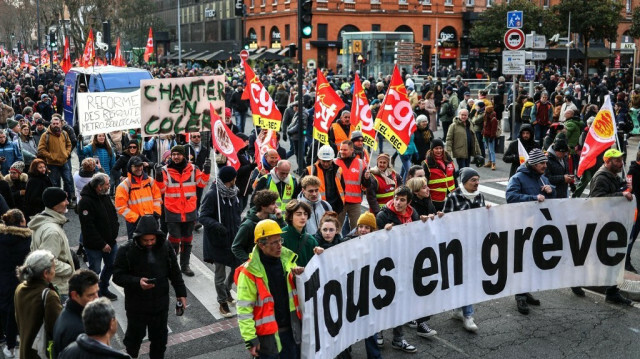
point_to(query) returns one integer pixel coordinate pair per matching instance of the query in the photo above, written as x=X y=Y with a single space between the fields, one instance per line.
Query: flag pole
x=215 y=167
x=313 y=147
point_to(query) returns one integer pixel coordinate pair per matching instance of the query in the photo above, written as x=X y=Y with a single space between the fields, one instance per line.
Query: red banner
x=148 y=51
x=395 y=120
x=224 y=140
x=602 y=134
x=264 y=111
x=361 y=112
x=117 y=57
x=265 y=141
x=89 y=54
x=328 y=105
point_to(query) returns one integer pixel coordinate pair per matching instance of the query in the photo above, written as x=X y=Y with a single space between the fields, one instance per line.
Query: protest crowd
x=262 y=216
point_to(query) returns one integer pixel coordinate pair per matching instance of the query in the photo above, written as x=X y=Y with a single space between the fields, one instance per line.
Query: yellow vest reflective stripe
x=287 y=195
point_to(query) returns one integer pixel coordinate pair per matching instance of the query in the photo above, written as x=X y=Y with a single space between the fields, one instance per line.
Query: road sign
x=244 y=54
x=514 y=39
x=514 y=20
x=513 y=62
x=529 y=72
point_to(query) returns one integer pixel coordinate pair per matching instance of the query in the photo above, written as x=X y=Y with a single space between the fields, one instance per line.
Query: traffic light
x=305 y=19
x=52 y=40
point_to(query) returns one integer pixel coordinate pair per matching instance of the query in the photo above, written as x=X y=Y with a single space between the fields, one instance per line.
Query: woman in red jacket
x=490 y=134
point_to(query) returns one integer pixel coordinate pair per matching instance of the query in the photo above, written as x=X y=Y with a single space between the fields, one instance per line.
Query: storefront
x=372 y=52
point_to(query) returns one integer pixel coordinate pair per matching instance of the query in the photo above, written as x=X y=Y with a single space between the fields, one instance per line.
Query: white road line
x=492 y=191
x=504 y=183
x=203 y=288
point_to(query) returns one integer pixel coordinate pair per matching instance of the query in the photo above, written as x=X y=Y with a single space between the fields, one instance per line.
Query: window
x=262 y=31
x=426 y=32
x=287 y=32
x=546 y=4
x=628 y=6
x=375 y=27
x=490 y=3
x=322 y=31
x=471 y=2
x=274 y=3
x=448 y=2
x=253 y=3
x=426 y=2
x=402 y=2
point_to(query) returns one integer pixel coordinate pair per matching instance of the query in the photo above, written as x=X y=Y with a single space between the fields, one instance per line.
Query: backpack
x=450 y=111
x=526 y=114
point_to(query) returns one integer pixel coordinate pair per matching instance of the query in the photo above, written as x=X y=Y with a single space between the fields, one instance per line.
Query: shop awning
x=574 y=54
x=599 y=53
x=174 y=55
x=195 y=56
x=324 y=43
x=212 y=56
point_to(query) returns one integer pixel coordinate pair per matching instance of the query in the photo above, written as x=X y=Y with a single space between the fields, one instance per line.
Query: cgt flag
x=602 y=134
x=66 y=56
x=362 y=113
x=328 y=105
x=266 y=140
x=148 y=51
x=395 y=120
x=117 y=58
x=264 y=111
x=89 y=54
x=224 y=140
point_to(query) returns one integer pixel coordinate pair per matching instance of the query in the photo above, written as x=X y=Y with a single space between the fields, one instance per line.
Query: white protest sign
x=365 y=285
x=180 y=105
x=104 y=112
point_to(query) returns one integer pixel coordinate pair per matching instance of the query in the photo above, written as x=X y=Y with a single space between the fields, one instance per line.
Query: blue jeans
x=63 y=171
x=515 y=130
x=240 y=119
x=490 y=144
x=290 y=350
x=467 y=310
x=372 y=348
x=406 y=164
x=131 y=227
x=540 y=132
x=95 y=261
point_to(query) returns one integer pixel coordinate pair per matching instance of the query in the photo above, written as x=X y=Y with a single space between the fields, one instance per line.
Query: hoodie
x=244 y=241
x=389 y=214
x=512 y=156
x=48 y=234
x=318 y=208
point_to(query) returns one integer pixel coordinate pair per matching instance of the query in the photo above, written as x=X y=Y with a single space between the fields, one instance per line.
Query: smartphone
x=97 y=159
x=151 y=281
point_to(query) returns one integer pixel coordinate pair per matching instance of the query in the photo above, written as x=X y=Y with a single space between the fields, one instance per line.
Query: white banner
x=103 y=112
x=180 y=105
x=388 y=278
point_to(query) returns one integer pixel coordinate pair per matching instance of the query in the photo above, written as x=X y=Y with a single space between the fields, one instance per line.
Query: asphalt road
x=564 y=326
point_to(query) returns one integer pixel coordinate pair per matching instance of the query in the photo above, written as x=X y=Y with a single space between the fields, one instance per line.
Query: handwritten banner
x=365 y=285
x=180 y=105
x=103 y=112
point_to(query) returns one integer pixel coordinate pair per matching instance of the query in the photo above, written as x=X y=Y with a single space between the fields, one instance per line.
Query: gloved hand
x=221 y=230
x=206 y=168
x=159 y=175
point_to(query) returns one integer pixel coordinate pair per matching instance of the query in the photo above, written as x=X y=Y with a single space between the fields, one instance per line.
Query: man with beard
x=330 y=176
x=280 y=181
x=220 y=216
x=55 y=148
x=178 y=181
x=144 y=267
x=512 y=155
x=99 y=225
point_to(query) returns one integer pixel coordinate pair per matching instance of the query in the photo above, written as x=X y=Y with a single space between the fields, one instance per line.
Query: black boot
x=185 y=255
x=531 y=299
x=523 y=307
x=578 y=291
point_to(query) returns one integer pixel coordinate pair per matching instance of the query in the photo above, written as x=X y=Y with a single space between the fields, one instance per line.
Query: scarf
x=227 y=194
x=386 y=175
x=468 y=195
x=266 y=164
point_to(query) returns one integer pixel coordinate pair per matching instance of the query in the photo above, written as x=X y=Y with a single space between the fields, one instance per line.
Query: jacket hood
x=407 y=213
x=89 y=192
x=148 y=225
x=23 y=232
x=45 y=217
x=23 y=178
x=528 y=171
x=252 y=215
x=97 y=348
x=302 y=198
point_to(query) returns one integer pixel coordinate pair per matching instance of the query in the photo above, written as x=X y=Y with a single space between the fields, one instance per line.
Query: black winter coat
x=201 y=157
x=98 y=219
x=423 y=206
x=326 y=245
x=123 y=161
x=556 y=169
x=219 y=230
x=133 y=262
x=5 y=191
x=36 y=184
x=386 y=216
x=14 y=248
x=512 y=156
x=634 y=172
x=87 y=348
x=68 y=327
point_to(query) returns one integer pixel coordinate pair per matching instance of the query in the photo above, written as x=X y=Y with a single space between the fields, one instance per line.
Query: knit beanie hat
x=179 y=149
x=368 y=219
x=467 y=173
x=52 y=196
x=11 y=123
x=17 y=166
x=227 y=174
x=385 y=156
x=356 y=135
x=436 y=142
x=536 y=156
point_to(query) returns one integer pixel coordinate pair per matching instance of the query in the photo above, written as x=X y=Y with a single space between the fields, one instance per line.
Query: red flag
x=56 y=59
x=117 y=57
x=266 y=140
x=395 y=120
x=602 y=134
x=89 y=54
x=224 y=140
x=148 y=51
x=328 y=105
x=361 y=111
x=264 y=111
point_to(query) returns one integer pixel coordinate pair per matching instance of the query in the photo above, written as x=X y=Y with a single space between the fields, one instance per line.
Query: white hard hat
x=326 y=153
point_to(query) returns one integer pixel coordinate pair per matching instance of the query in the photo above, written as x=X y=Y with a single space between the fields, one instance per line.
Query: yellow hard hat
x=266 y=228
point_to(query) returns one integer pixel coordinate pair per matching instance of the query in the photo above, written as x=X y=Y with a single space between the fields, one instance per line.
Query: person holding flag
x=263 y=109
x=330 y=175
x=327 y=106
x=517 y=152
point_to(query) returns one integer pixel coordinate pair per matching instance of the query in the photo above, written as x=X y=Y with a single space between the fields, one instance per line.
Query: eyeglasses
x=193 y=136
x=274 y=243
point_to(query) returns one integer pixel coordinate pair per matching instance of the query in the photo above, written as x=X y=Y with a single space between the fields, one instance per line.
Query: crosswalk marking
x=491 y=191
x=202 y=286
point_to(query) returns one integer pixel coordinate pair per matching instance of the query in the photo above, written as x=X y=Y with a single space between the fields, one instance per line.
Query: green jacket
x=293 y=241
x=248 y=295
x=574 y=129
x=243 y=242
x=456 y=144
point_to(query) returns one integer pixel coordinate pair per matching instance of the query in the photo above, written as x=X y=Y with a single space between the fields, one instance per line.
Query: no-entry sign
x=514 y=39
x=244 y=54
